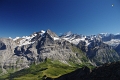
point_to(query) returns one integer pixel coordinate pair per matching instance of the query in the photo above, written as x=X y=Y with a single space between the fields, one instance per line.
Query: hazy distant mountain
x=110 y=39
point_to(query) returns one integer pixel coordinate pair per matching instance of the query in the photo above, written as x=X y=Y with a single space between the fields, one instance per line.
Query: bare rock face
x=51 y=33
x=117 y=49
x=102 y=53
x=99 y=52
x=6 y=51
x=2 y=45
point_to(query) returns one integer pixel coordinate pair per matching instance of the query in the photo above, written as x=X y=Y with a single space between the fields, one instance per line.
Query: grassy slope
x=45 y=69
x=48 y=68
x=82 y=57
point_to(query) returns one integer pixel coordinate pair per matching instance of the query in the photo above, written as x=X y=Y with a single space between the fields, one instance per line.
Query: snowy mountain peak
x=10 y=38
x=25 y=40
x=104 y=34
x=117 y=33
x=107 y=38
x=73 y=38
x=52 y=34
x=68 y=33
x=42 y=31
x=16 y=38
x=28 y=39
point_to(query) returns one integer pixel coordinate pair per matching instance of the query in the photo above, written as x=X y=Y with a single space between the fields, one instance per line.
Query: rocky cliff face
x=6 y=51
x=117 y=49
x=52 y=47
x=99 y=52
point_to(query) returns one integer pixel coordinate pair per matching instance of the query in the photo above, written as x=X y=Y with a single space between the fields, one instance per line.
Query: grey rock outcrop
x=99 y=52
x=117 y=49
x=6 y=51
x=2 y=45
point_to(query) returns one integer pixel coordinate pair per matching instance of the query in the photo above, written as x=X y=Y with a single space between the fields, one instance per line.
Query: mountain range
x=22 y=52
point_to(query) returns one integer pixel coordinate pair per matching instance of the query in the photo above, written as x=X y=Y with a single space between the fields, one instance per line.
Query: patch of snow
x=117 y=33
x=55 y=38
x=35 y=34
x=105 y=34
x=42 y=31
x=16 y=38
x=68 y=33
x=25 y=40
x=66 y=38
x=82 y=39
x=73 y=40
x=87 y=43
x=10 y=38
x=113 y=42
x=42 y=34
x=24 y=36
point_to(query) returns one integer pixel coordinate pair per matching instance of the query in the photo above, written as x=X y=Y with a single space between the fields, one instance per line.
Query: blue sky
x=24 y=17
